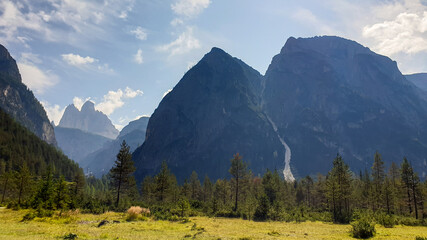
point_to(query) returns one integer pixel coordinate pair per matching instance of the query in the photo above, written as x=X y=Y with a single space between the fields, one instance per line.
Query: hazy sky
x=125 y=55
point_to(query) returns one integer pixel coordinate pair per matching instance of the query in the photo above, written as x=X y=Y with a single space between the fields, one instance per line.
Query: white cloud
x=190 y=8
x=54 y=112
x=138 y=57
x=140 y=33
x=115 y=99
x=183 y=44
x=406 y=33
x=177 y=21
x=77 y=60
x=36 y=79
x=58 y=20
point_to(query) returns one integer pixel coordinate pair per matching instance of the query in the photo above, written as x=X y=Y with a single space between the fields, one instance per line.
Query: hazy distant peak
x=88 y=106
x=89 y=120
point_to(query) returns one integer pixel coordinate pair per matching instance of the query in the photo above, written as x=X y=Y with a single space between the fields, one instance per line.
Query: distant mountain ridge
x=88 y=120
x=100 y=161
x=19 y=102
x=320 y=96
x=419 y=79
x=77 y=144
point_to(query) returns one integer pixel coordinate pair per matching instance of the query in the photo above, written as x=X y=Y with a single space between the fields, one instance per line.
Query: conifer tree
x=238 y=170
x=122 y=171
x=44 y=195
x=61 y=198
x=339 y=190
x=195 y=186
x=163 y=182
x=378 y=175
x=23 y=178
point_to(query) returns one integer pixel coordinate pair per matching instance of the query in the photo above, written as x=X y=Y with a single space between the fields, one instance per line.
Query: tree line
x=338 y=196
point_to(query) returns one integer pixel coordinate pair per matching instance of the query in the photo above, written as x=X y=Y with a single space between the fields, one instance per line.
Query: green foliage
x=121 y=173
x=19 y=147
x=363 y=228
x=70 y=236
x=386 y=220
x=339 y=190
x=262 y=210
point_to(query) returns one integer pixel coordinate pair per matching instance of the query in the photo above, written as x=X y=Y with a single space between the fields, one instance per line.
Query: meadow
x=86 y=226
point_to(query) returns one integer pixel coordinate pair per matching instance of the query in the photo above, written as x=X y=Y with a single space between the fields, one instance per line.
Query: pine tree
x=195 y=186
x=406 y=178
x=44 y=195
x=23 y=178
x=339 y=190
x=163 y=182
x=207 y=189
x=238 y=170
x=378 y=175
x=121 y=173
x=61 y=198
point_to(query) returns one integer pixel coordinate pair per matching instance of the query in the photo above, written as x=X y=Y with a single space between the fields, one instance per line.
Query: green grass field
x=85 y=226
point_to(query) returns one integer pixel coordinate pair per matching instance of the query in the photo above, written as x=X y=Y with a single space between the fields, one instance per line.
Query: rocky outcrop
x=88 y=120
x=19 y=102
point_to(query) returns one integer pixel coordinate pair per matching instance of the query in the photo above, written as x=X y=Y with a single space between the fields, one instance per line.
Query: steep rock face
x=19 y=102
x=77 y=144
x=211 y=114
x=101 y=161
x=419 y=79
x=329 y=95
x=88 y=120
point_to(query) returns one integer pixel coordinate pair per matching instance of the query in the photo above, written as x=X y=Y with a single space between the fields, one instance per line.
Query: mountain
x=419 y=79
x=101 y=161
x=212 y=113
x=19 y=102
x=330 y=95
x=19 y=146
x=88 y=120
x=77 y=144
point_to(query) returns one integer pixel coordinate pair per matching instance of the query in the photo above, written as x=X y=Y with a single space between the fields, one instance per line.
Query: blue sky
x=124 y=55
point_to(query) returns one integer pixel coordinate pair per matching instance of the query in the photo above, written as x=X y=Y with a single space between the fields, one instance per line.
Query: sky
x=125 y=55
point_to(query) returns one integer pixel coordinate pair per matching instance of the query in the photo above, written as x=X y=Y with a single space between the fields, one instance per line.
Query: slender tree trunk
x=118 y=189
x=237 y=193
x=414 y=194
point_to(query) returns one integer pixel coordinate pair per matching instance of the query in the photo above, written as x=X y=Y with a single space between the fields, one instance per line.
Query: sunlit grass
x=85 y=226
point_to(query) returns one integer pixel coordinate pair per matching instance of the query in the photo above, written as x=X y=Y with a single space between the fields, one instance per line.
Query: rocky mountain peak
x=88 y=106
x=8 y=64
x=88 y=120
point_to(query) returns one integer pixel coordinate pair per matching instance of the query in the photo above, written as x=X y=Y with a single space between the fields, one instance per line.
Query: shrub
x=70 y=236
x=386 y=220
x=363 y=228
x=133 y=213
x=420 y=238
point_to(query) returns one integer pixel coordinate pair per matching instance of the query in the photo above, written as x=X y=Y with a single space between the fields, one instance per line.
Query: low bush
x=363 y=228
x=386 y=220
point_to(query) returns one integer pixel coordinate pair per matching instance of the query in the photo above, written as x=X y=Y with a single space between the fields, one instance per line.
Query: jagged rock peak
x=88 y=120
x=88 y=106
x=8 y=64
